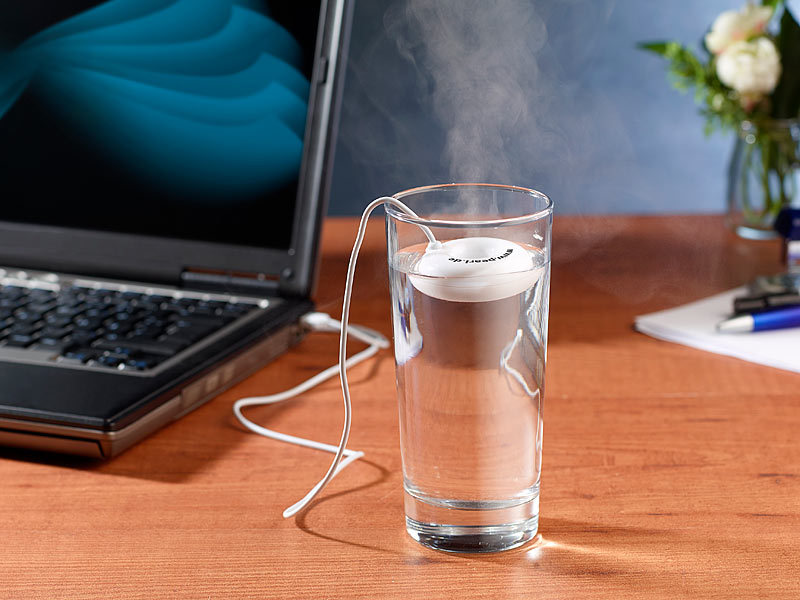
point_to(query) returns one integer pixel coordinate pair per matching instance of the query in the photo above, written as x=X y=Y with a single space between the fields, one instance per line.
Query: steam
x=479 y=94
x=516 y=92
x=480 y=57
x=490 y=75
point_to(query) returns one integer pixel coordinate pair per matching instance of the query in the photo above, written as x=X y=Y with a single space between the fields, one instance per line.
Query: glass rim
x=500 y=222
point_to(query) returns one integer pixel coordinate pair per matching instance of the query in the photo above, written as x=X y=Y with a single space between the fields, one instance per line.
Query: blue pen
x=780 y=318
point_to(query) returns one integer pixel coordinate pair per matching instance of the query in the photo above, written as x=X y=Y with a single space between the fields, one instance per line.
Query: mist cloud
x=479 y=58
x=551 y=95
x=481 y=90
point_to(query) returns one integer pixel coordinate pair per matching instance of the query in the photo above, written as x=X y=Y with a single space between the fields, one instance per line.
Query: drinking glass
x=470 y=366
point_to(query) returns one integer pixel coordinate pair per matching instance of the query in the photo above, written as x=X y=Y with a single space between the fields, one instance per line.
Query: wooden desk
x=668 y=472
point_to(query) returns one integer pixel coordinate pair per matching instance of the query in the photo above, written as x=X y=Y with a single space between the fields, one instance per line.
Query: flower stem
x=747 y=211
x=766 y=166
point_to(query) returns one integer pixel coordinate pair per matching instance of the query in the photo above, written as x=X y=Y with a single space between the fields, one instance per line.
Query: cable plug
x=319 y=321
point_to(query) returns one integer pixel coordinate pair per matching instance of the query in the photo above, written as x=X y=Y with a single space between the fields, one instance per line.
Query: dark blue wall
x=601 y=129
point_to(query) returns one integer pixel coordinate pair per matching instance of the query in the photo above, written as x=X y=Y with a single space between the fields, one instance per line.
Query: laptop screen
x=176 y=118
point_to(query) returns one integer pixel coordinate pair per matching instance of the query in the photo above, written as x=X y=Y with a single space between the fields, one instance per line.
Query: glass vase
x=763 y=175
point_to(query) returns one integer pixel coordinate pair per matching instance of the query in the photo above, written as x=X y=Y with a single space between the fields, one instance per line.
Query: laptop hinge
x=255 y=284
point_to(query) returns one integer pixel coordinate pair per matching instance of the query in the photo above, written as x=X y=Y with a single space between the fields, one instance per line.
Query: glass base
x=754 y=233
x=459 y=526
x=472 y=539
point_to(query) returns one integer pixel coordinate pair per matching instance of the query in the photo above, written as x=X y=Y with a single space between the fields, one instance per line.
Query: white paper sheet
x=694 y=325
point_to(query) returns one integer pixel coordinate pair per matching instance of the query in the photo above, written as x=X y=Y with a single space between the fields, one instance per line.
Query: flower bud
x=734 y=26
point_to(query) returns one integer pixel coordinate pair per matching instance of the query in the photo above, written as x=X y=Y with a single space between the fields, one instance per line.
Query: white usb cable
x=315 y=321
x=323 y=322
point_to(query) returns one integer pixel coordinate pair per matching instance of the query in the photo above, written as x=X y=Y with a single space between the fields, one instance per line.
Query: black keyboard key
x=41 y=307
x=68 y=303
x=141 y=337
x=11 y=303
x=140 y=363
x=98 y=313
x=69 y=297
x=210 y=323
x=27 y=316
x=161 y=348
x=175 y=344
x=41 y=292
x=41 y=296
x=108 y=361
x=119 y=327
x=20 y=340
x=81 y=354
x=131 y=295
x=87 y=323
x=95 y=302
x=123 y=353
x=178 y=339
x=193 y=332
x=15 y=291
x=95 y=292
x=84 y=337
x=172 y=307
x=205 y=311
x=55 y=332
x=146 y=331
x=197 y=320
x=51 y=344
x=148 y=318
x=146 y=307
x=22 y=328
x=55 y=320
x=237 y=309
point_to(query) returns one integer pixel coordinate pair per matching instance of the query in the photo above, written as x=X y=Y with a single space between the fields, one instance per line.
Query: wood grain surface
x=668 y=472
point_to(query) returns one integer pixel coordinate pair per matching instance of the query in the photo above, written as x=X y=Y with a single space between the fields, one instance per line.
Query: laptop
x=164 y=166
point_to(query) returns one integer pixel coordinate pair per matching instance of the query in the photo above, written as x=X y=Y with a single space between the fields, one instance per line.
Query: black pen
x=751 y=304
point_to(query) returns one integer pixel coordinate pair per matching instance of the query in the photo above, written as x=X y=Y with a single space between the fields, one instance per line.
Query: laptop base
x=66 y=439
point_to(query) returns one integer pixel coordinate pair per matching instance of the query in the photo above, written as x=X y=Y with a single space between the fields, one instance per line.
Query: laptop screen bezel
x=164 y=260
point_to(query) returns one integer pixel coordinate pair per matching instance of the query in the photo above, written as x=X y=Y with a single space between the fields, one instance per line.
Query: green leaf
x=772 y=3
x=786 y=97
x=659 y=48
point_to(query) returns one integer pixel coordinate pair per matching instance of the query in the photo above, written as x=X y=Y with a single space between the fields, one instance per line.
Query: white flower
x=732 y=26
x=751 y=68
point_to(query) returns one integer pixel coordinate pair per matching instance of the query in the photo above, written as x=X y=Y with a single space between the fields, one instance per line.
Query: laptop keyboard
x=109 y=327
